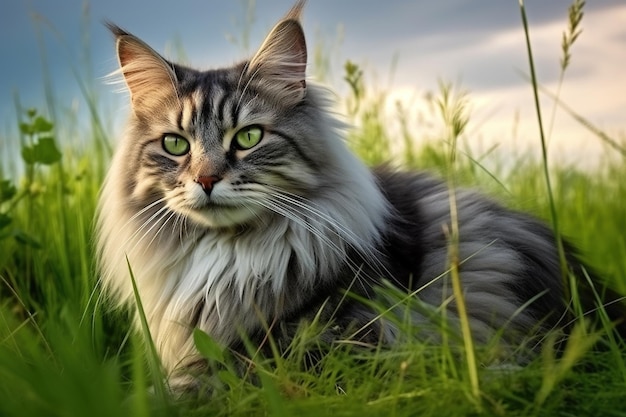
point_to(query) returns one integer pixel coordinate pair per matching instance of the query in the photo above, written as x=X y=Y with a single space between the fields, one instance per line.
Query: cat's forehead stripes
x=204 y=105
x=220 y=107
x=189 y=112
x=215 y=107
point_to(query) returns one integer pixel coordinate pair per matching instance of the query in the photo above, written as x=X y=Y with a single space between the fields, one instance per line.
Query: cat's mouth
x=220 y=209
x=220 y=215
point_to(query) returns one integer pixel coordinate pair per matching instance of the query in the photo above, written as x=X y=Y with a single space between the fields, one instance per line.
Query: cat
x=237 y=205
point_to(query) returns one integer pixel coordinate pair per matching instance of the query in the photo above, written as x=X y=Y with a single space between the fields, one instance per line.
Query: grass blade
x=544 y=154
x=154 y=362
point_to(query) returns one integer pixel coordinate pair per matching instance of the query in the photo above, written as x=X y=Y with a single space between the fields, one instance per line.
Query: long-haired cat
x=238 y=205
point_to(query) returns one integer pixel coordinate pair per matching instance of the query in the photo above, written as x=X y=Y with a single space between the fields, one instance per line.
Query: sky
x=405 y=47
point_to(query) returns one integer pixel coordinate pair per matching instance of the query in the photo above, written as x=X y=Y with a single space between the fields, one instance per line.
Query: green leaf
x=27 y=129
x=37 y=125
x=42 y=125
x=28 y=154
x=44 y=151
x=5 y=220
x=25 y=239
x=7 y=190
x=229 y=378
x=208 y=347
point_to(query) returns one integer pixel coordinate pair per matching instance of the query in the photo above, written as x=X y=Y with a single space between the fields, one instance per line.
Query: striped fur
x=294 y=220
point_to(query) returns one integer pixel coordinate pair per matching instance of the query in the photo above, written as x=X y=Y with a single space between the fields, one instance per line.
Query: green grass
x=63 y=353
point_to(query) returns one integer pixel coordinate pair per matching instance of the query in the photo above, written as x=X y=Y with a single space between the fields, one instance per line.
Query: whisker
x=355 y=241
x=245 y=88
x=141 y=227
x=304 y=206
x=144 y=224
x=158 y=215
x=283 y=210
x=143 y=210
x=169 y=215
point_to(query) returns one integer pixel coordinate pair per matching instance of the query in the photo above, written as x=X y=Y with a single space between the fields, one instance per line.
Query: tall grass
x=64 y=353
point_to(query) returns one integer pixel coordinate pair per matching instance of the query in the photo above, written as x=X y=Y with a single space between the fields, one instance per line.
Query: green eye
x=175 y=145
x=248 y=137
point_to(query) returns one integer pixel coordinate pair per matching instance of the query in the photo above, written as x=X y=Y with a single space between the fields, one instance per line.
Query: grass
x=63 y=353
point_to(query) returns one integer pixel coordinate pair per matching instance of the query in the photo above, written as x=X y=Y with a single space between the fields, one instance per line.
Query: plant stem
x=453 y=112
x=544 y=154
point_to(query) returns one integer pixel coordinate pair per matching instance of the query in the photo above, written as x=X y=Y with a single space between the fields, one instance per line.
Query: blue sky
x=476 y=42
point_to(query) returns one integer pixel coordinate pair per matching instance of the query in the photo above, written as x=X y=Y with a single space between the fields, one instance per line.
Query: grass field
x=64 y=353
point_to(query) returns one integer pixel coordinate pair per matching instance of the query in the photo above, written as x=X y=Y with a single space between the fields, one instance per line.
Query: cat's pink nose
x=207 y=182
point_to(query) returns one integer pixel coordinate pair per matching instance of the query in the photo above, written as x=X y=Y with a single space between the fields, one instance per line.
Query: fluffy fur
x=227 y=239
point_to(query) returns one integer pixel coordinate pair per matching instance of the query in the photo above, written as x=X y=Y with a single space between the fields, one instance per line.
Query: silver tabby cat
x=237 y=204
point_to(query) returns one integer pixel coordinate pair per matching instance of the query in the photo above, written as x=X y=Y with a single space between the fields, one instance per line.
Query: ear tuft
x=280 y=63
x=150 y=78
x=296 y=11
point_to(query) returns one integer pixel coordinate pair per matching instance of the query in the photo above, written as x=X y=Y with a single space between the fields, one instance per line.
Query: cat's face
x=223 y=147
x=220 y=155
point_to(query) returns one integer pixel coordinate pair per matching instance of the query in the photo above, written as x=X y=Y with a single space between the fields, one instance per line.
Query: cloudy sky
x=405 y=46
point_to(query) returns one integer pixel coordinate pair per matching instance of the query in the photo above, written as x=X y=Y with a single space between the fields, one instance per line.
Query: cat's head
x=218 y=146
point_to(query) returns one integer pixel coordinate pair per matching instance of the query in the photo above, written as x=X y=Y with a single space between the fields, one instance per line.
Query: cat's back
x=506 y=259
x=425 y=200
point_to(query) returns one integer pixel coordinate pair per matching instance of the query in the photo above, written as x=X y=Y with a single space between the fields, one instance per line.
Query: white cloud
x=502 y=101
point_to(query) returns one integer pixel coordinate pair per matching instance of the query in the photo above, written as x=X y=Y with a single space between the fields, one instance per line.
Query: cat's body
x=238 y=206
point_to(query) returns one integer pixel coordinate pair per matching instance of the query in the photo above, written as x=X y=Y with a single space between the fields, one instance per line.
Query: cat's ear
x=150 y=79
x=280 y=63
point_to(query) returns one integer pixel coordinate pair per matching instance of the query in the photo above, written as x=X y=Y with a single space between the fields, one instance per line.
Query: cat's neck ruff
x=227 y=281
